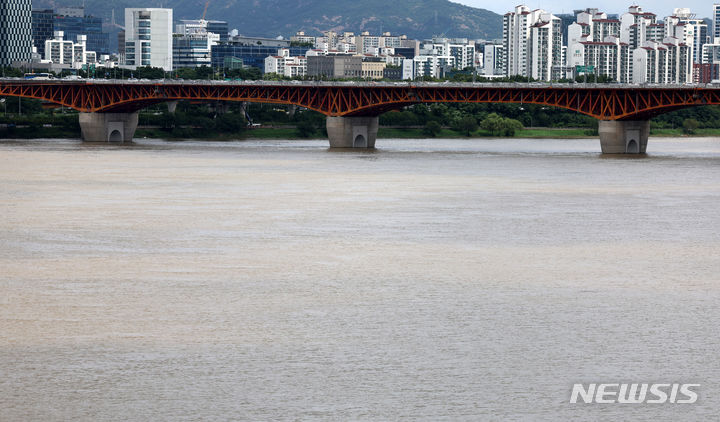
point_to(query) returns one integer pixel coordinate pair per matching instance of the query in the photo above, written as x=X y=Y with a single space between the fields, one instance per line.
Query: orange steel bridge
x=351 y=99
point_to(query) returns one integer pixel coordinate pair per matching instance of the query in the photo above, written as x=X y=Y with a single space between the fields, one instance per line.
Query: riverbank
x=418 y=133
x=383 y=133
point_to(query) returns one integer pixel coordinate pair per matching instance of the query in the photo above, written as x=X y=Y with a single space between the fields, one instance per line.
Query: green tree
x=500 y=126
x=305 y=129
x=432 y=128
x=466 y=125
x=230 y=123
x=167 y=121
x=690 y=126
x=148 y=72
x=492 y=123
x=203 y=72
x=274 y=77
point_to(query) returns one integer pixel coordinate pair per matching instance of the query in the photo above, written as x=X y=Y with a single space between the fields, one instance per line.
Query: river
x=426 y=280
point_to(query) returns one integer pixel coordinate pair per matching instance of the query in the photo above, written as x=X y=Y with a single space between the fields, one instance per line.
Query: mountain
x=270 y=18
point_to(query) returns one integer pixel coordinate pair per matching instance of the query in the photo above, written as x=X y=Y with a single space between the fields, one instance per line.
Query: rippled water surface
x=426 y=280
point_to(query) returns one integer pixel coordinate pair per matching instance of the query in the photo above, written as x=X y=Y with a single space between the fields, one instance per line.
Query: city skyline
x=661 y=8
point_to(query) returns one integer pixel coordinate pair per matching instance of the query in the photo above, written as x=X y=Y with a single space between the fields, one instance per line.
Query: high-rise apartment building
x=684 y=26
x=594 y=43
x=532 y=43
x=637 y=26
x=493 y=59
x=460 y=48
x=546 y=48
x=662 y=63
x=148 y=37
x=516 y=40
x=15 y=31
x=636 y=48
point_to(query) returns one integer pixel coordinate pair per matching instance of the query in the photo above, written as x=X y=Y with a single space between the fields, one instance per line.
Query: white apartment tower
x=637 y=26
x=516 y=40
x=693 y=26
x=546 y=48
x=493 y=60
x=460 y=48
x=532 y=44
x=149 y=37
x=662 y=63
x=595 y=41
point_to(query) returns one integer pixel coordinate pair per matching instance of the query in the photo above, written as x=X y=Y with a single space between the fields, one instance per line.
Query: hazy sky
x=661 y=8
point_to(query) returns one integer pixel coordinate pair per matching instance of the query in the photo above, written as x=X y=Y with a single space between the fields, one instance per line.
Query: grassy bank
x=679 y=132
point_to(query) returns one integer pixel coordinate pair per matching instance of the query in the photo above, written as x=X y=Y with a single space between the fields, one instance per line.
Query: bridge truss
x=611 y=102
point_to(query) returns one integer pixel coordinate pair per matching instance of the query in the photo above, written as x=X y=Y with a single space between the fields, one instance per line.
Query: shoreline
x=415 y=133
x=289 y=133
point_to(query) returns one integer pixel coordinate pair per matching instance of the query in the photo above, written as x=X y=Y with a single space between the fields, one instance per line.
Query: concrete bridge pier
x=108 y=127
x=624 y=136
x=352 y=132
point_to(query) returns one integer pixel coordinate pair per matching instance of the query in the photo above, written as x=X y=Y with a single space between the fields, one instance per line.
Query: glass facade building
x=716 y=23
x=191 y=51
x=220 y=28
x=251 y=55
x=72 y=26
x=15 y=31
x=42 y=28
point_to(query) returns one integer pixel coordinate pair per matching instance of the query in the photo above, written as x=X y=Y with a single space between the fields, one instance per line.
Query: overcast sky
x=662 y=8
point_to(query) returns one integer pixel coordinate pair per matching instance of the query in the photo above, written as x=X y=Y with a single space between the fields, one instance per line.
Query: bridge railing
x=447 y=84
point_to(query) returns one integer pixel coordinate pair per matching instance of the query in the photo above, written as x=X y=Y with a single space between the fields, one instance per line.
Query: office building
x=339 y=66
x=220 y=28
x=192 y=50
x=716 y=23
x=148 y=38
x=15 y=31
x=192 y=43
x=73 y=22
x=42 y=28
x=251 y=51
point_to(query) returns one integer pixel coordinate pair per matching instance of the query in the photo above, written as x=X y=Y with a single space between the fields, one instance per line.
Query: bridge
x=109 y=108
